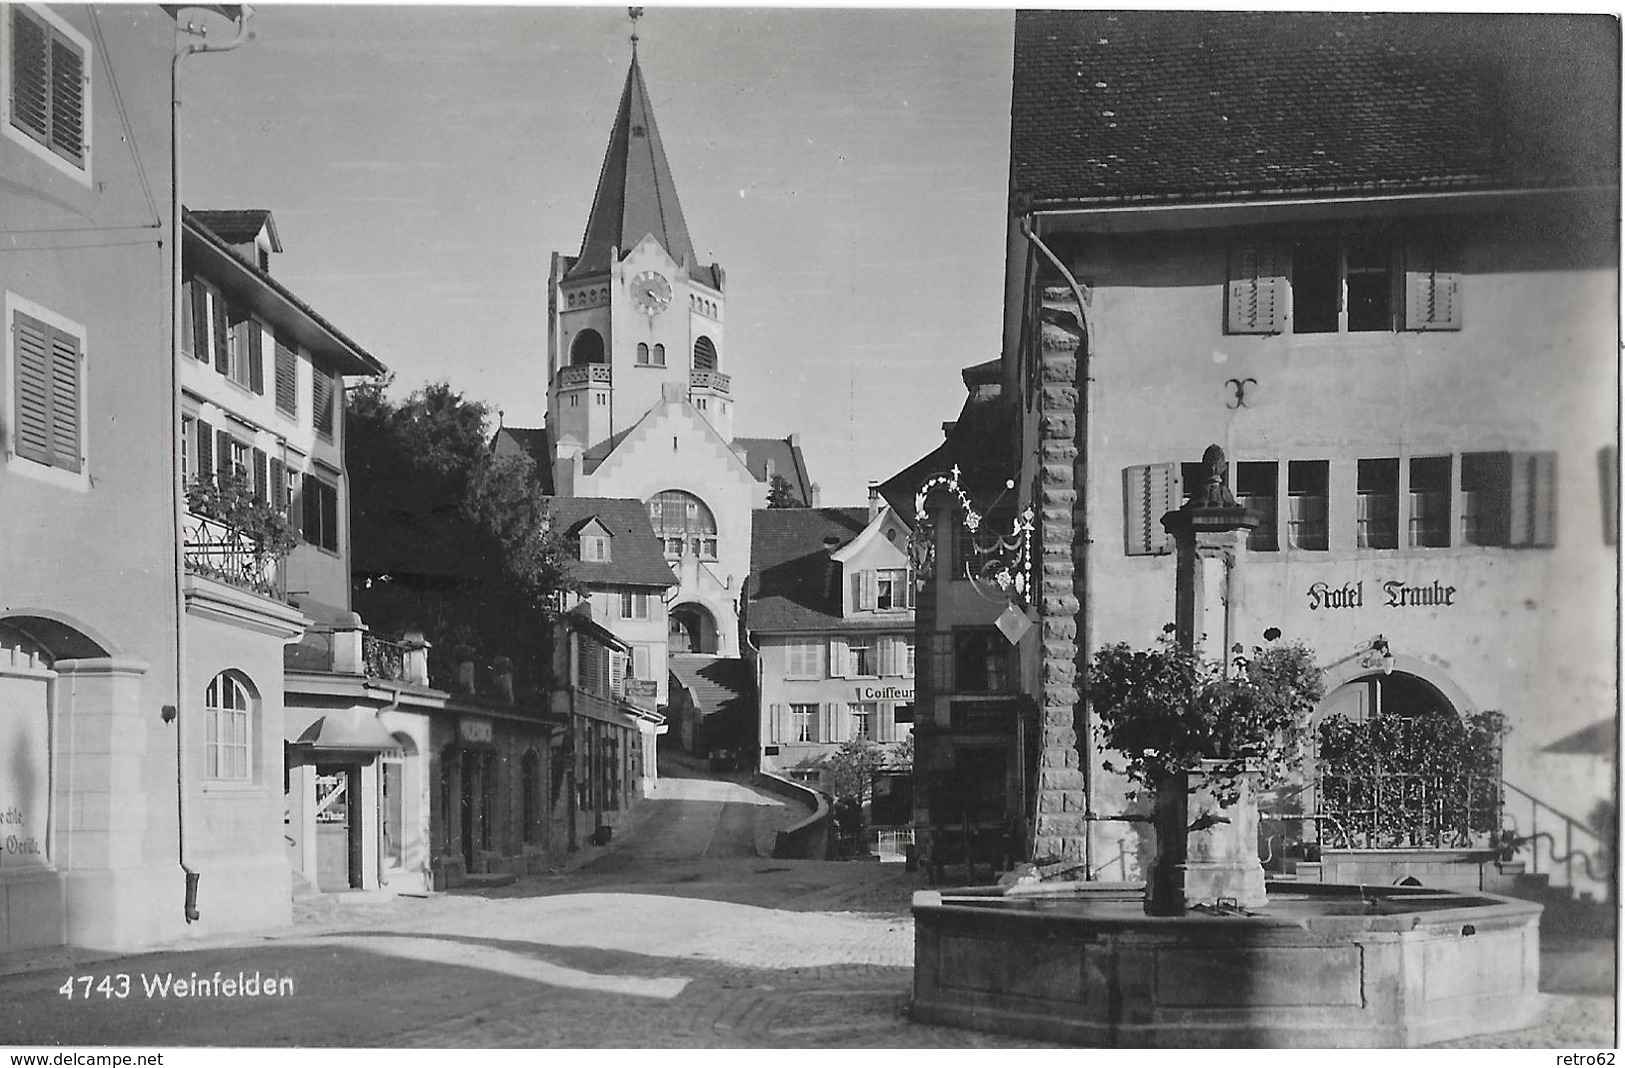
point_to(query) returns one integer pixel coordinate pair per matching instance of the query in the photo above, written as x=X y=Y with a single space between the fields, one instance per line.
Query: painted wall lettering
x=1349 y=595
x=1396 y=594
x=1401 y=595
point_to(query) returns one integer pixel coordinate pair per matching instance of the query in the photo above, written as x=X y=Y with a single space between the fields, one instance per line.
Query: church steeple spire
x=636 y=195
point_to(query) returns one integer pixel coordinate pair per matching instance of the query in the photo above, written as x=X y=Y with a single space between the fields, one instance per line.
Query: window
x=244 y=358
x=643 y=354
x=903 y=713
x=323 y=406
x=863 y=657
x=1343 y=284
x=634 y=605
x=863 y=720
x=705 y=354
x=227 y=706
x=804 y=660
x=1377 y=506
x=683 y=524
x=1509 y=499
x=1306 y=504
x=641 y=661
x=981 y=661
x=595 y=548
x=588 y=347
x=287 y=379
x=47 y=387
x=804 y=723
x=48 y=89
x=1149 y=493
x=1255 y=490
x=1430 y=502
x=660 y=356
x=893 y=590
x=908 y=657
x=320 y=499
x=195 y=319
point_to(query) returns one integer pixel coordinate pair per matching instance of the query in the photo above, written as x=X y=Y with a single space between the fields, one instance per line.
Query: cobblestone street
x=674 y=935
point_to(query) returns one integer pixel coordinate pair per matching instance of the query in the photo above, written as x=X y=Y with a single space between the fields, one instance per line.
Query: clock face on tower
x=650 y=292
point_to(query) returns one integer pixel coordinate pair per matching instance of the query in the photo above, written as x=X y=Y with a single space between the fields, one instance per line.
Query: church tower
x=634 y=317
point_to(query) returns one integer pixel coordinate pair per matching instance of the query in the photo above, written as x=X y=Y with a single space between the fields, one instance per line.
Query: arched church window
x=660 y=356
x=683 y=524
x=643 y=354
x=588 y=347
x=705 y=354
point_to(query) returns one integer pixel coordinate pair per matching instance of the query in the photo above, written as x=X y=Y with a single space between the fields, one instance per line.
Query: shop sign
x=884 y=693
x=1394 y=594
x=474 y=730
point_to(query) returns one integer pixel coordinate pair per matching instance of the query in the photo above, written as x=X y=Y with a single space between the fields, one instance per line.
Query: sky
x=846 y=168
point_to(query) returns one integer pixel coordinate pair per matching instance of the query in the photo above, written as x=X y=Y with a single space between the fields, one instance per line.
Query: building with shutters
x=830 y=628
x=1374 y=257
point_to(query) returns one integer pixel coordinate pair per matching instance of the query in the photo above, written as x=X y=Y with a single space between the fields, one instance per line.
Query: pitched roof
x=636 y=555
x=531 y=442
x=785 y=453
x=239 y=226
x=1159 y=105
x=793 y=584
x=721 y=687
x=636 y=195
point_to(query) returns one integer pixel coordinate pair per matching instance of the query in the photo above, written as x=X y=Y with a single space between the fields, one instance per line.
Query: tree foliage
x=448 y=537
x=780 y=494
x=1167 y=709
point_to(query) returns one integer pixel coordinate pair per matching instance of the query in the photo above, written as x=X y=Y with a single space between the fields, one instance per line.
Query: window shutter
x=857 y=591
x=886 y=722
x=775 y=724
x=839 y=723
x=197 y=313
x=256 y=357
x=322 y=402
x=205 y=452
x=888 y=656
x=67 y=100
x=617 y=672
x=311 y=510
x=30 y=74
x=1150 y=491
x=1533 y=500
x=222 y=338
x=32 y=341
x=188 y=322
x=279 y=485
x=1256 y=291
x=837 y=658
x=1432 y=286
x=222 y=453
x=259 y=476
x=870 y=587
x=287 y=378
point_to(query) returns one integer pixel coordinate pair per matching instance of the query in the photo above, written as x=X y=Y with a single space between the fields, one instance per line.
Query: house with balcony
x=1392 y=300
x=829 y=624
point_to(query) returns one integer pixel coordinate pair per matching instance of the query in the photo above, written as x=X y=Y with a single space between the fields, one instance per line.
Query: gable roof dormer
x=636 y=195
x=251 y=233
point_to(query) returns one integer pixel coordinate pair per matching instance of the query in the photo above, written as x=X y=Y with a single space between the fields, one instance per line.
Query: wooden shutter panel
x=1150 y=491
x=188 y=323
x=32 y=342
x=775 y=724
x=310 y=501
x=205 y=452
x=1432 y=286
x=197 y=313
x=279 y=485
x=1532 y=501
x=222 y=338
x=260 y=476
x=322 y=402
x=1256 y=290
x=256 y=357
x=222 y=453
x=30 y=74
x=837 y=658
x=287 y=378
x=840 y=727
x=870 y=589
x=67 y=100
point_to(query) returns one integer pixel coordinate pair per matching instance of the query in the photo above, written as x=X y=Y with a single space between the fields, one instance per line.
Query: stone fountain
x=1210 y=954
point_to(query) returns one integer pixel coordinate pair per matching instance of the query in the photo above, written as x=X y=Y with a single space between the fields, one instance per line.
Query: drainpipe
x=1083 y=542
x=183 y=791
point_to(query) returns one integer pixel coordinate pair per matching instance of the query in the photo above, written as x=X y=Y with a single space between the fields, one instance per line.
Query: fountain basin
x=1319 y=965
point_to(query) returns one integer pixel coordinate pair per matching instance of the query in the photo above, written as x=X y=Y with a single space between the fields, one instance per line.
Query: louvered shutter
x=310 y=500
x=287 y=378
x=279 y=485
x=32 y=342
x=30 y=74
x=1256 y=290
x=887 y=655
x=1432 y=286
x=222 y=338
x=197 y=314
x=256 y=357
x=1150 y=491
x=67 y=100
x=617 y=672
x=1532 y=502
x=260 y=477
x=837 y=658
x=322 y=402
x=856 y=584
x=222 y=454
x=188 y=323
x=840 y=725
x=65 y=421
x=867 y=584
x=775 y=724
x=205 y=452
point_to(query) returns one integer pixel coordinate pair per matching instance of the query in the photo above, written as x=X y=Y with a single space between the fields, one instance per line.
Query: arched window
x=705 y=354
x=660 y=355
x=588 y=347
x=643 y=354
x=228 y=708
x=683 y=524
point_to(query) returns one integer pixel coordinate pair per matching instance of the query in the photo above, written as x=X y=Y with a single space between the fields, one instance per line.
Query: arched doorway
x=588 y=347
x=690 y=628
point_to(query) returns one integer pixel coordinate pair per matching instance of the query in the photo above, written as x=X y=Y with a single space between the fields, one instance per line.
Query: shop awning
x=353 y=731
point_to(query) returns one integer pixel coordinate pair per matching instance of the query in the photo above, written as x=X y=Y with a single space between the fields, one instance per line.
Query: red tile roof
x=1138 y=105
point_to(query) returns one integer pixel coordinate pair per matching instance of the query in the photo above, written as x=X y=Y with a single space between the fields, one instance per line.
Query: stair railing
x=1570 y=825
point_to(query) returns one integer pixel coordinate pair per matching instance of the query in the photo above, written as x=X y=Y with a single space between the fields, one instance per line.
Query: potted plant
x=1203 y=737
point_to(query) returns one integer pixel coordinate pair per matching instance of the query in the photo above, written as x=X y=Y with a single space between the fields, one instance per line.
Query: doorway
x=338 y=827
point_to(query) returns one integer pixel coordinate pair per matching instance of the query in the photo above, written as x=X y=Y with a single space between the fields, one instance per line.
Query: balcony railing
x=582 y=374
x=383 y=659
x=219 y=551
x=709 y=380
x=1394 y=810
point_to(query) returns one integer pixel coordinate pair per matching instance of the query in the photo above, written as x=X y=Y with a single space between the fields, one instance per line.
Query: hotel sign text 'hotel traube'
x=1393 y=593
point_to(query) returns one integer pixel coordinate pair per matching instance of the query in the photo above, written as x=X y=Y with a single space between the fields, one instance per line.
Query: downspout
x=183 y=791
x=1082 y=541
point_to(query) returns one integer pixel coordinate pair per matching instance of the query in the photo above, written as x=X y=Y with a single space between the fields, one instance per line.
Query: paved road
x=680 y=933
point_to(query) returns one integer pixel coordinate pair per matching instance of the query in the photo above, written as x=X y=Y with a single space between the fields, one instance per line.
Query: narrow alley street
x=681 y=932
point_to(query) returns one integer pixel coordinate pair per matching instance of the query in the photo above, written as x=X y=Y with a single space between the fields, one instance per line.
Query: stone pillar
x=1220 y=859
x=348 y=658
x=1062 y=824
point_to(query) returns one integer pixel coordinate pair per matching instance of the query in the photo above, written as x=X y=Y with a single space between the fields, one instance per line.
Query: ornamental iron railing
x=1377 y=809
x=220 y=551
x=383 y=659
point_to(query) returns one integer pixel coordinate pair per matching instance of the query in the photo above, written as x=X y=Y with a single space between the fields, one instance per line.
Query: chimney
x=813 y=494
x=463 y=656
x=875 y=503
x=502 y=668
